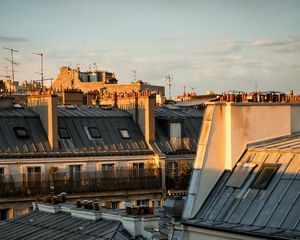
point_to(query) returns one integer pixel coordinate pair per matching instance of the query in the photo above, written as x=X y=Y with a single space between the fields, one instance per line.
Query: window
x=34 y=170
x=172 y=169
x=63 y=133
x=264 y=176
x=1 y=171
x=75 y=172
x=108 y=167
x=175 y=135
x=142 y=202
x=94 y=132
x=21 y=132
x=6 y=213
x=138 y=169
x=138 y=166
x=124 y=133
x=34 y=175
x=115 y=205
x=240 y=174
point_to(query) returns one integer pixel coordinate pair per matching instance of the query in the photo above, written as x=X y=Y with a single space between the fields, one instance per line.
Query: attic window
x=21 y=132
x=94 y=132
x=264 y=176
x=63 y=133
x=124 y=133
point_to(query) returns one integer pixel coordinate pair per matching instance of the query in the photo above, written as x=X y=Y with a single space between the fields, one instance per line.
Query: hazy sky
x=208 y=45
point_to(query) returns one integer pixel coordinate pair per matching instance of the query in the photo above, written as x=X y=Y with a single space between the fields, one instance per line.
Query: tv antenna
x=134 y=75
x=169 y=80
x=12 y=51
x=42 y=67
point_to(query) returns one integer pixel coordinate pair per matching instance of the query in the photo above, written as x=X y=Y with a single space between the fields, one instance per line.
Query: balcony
x=80 y=182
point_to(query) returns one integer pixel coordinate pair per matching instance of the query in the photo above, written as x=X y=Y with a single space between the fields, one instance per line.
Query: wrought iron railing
x=79 y=182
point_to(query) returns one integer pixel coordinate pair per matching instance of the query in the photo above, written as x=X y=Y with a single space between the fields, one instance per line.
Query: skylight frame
x=61 y=134
x=260 y=183
x=21 y=132
x=124 y=133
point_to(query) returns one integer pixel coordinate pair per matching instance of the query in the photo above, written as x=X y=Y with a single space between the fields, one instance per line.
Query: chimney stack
x=46 y=107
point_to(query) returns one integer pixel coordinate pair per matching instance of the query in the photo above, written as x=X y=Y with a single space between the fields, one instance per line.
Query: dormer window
x=94 y=132
x=264 y=176
x=124 y=133
x=63 y=133
x=21 y=132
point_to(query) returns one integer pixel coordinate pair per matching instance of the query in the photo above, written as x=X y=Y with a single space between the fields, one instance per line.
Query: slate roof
x=109 y=124
x=191 y=120
x=76 y=121
x=42 y=225
x=237 y=205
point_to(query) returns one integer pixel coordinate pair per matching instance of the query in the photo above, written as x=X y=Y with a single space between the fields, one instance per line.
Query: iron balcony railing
x=79 y=182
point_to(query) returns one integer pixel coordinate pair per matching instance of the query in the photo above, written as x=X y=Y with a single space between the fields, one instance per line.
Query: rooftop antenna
x=134 y=75
x=42 y=68
x=95 y=67
x=255 y=85
x=169 y=80
x=12 y=51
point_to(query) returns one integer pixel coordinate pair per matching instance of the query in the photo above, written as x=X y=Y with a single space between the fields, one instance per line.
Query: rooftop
x=260 y=196
x=43 y=225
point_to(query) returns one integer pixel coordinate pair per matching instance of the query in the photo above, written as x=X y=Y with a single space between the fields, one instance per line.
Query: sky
x=206 y=45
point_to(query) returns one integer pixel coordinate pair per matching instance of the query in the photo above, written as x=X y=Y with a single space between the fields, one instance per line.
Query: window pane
x=21 y=132
x=63 y=133
x=124 y=133
x=94 y=132
x=264 y=176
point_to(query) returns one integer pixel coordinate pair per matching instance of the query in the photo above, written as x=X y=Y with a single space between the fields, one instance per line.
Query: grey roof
x=190 y=119
x=274 y=212
x=175 y=112
x=10 y=143
x=109 y=124
x=76 y=121
x=42 y=225
x=88 y=111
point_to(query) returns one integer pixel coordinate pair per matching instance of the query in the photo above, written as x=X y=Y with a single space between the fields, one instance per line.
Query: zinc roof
x=42 y=225
x=272 y=212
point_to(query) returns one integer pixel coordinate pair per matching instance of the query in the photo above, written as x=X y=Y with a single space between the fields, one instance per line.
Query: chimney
x=46 y=107
x=104 y=77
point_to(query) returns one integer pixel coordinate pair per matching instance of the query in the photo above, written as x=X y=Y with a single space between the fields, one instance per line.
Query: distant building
x=101 y=81
x=109 y=153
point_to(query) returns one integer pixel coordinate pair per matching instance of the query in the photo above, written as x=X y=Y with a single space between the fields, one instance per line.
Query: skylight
x=124 y=133
x=264 y=176
x=63 y=133
x=21 y=132
x=94 y=132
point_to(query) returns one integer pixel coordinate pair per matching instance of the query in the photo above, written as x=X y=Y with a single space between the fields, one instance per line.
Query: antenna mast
x=169 y=80
x=42 y=68
x=134 y=75
x=12 y=62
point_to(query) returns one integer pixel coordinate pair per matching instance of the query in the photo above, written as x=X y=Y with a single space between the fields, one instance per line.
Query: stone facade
x=98 y=81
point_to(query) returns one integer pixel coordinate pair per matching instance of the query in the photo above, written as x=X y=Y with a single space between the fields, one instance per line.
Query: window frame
x=21 y=136
x=124 y=135
x=61 y=136
x=91 y=134
x=254 y=183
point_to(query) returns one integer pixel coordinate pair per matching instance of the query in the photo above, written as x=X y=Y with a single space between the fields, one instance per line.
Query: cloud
x=271 y=43
x=4 y=39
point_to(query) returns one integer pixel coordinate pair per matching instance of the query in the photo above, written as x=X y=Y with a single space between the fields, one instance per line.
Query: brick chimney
x=46 y=107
